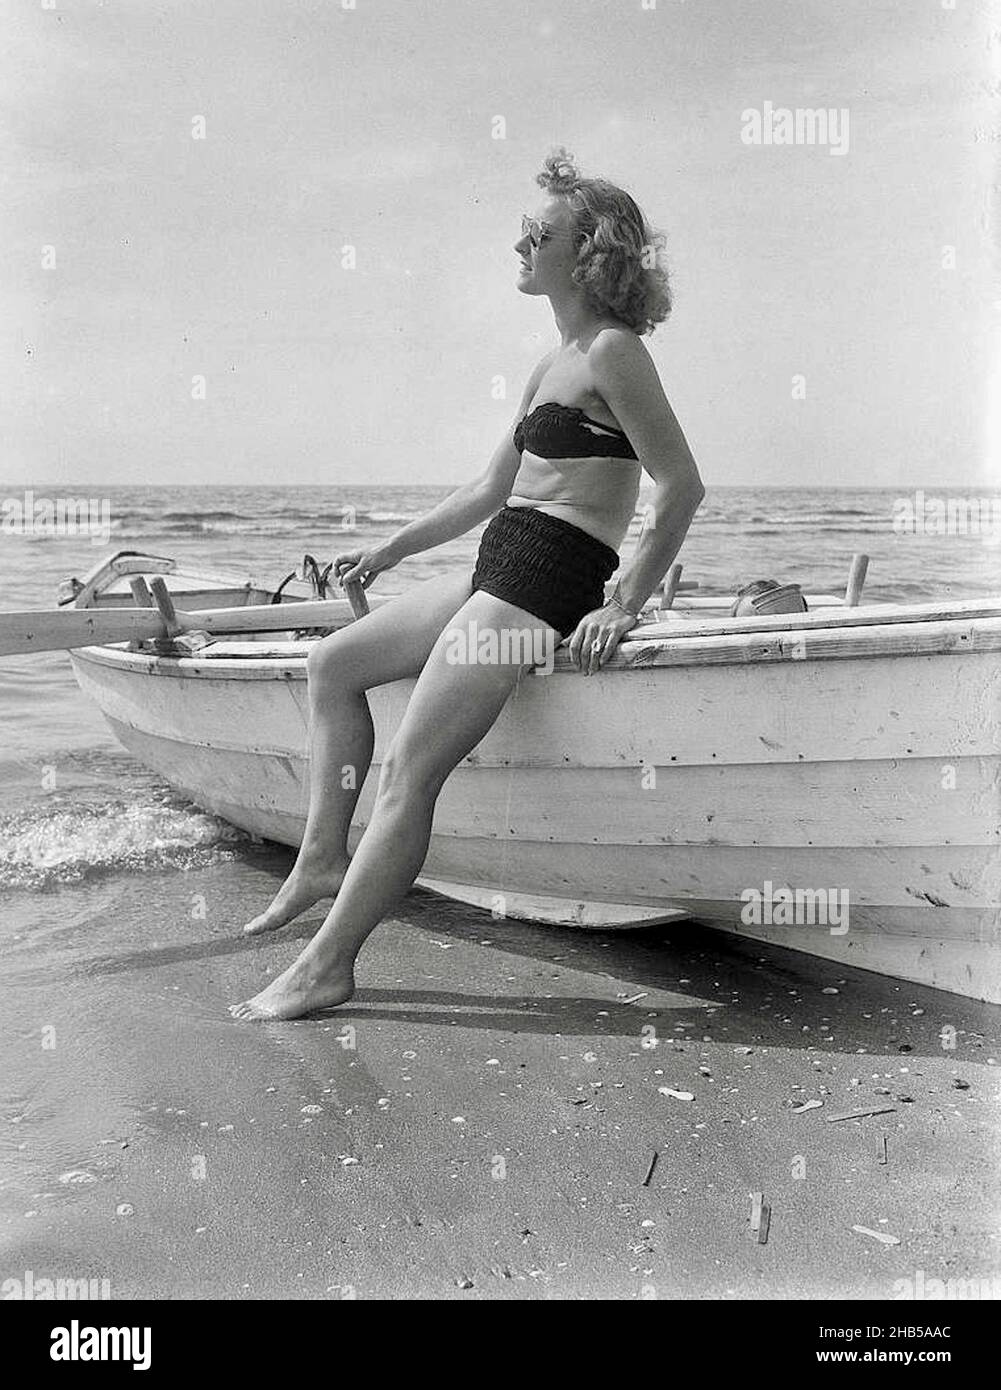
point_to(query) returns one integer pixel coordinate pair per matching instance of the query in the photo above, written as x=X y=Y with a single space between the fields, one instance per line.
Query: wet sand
x=479 y=1121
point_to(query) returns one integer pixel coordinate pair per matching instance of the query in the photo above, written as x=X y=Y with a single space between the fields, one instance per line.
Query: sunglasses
x=538 y=232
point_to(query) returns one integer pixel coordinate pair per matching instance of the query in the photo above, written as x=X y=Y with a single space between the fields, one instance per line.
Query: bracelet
x=619 y=604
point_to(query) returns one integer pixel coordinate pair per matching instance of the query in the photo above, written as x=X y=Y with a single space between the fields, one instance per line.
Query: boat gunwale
x=954 y=637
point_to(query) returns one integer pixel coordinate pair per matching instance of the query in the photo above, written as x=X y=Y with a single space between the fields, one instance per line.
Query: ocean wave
x=821 y=518
x=293 y=521
x=153 y=526
x=256 y=527
x=882 y=520
x=209 y=524
x=42 y=848
x=205 y=516
x=774 y=530
x=754 y=521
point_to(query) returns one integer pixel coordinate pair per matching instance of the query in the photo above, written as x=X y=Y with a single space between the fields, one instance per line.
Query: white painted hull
x=673 y=782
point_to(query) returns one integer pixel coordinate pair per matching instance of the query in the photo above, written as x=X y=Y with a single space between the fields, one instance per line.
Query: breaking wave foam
x=40 y=848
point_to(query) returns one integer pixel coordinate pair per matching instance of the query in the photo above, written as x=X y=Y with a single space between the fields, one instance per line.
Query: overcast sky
x=326 y=126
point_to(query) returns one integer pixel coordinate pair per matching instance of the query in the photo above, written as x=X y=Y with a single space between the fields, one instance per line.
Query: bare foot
x=300 y=891
x=296 y=992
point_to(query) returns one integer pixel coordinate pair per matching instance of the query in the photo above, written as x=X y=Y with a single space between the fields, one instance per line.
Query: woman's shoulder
x=616 y=348
x=615 y=339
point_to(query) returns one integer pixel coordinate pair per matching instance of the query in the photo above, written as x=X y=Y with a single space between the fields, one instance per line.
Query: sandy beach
x=479 y=1123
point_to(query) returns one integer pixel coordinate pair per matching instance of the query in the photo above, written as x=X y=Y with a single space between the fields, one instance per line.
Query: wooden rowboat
x=734 y=770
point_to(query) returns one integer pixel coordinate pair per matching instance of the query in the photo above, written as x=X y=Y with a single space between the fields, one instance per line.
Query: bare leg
x=388 y=644
x=452 y=707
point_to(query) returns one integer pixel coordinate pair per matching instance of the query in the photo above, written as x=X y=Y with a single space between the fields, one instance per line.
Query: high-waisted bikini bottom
x=548 y=566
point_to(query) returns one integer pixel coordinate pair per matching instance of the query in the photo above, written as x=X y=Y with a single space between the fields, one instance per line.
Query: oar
x=53 y=630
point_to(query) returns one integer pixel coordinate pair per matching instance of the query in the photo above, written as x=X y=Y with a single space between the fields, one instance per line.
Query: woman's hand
x=597 y=635
x=365 y=565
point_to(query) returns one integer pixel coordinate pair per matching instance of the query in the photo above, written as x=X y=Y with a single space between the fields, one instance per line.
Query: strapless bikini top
x=555 y=431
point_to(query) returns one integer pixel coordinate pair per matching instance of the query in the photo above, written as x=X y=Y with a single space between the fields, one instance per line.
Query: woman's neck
x=575 y=319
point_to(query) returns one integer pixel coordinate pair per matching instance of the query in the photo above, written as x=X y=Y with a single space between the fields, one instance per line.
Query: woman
x=561 y=489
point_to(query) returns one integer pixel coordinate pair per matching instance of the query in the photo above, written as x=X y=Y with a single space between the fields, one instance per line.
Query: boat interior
x=111 y=584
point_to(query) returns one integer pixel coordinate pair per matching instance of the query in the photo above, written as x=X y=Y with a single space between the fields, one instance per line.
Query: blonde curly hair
x=619 y=257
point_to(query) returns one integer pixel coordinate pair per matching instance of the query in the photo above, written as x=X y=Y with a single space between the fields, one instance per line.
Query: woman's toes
x=259 y=925
x=296 y=895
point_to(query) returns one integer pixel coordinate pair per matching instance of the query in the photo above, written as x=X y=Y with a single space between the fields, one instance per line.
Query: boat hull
x=865 y=782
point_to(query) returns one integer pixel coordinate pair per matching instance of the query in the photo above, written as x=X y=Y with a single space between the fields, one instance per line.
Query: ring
x=597 y=645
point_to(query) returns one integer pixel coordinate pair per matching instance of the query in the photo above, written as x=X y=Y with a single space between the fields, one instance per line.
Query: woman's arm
x=458 y=513
x=625 y=376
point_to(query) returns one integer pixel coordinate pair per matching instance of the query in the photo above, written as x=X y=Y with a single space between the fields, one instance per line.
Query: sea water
x=74 y=806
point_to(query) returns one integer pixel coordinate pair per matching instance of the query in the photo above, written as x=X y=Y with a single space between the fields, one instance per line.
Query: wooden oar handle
x=355 y=595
